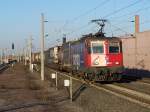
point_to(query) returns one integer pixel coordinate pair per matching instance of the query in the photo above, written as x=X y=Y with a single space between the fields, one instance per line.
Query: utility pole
x=70 y=88
x=42 y=46
x=25 y=52
x=136 y=32
x=23 y=56
x=30 y=53
x=5 y=54
x=56 y=81
x=1 y=56
x=137 y=24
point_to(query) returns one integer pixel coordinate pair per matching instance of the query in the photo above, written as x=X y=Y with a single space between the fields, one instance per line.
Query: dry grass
x=35 y=83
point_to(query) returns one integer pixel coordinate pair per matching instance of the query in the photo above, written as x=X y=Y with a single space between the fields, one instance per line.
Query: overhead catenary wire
x=118 y=10
x=84 y=26
x=117 y=19
x=91 y=10
x=125 y=27
x=139 y=10
x=78 y=29
x=123 y=8
x=147 y=22
x=110 y=14
x=85 y=13
x=135 y=12
x=117 y=29
x=144 y=22
x=141 y=23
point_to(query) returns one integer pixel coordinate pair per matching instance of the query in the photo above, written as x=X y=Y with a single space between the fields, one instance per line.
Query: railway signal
x=13 y=46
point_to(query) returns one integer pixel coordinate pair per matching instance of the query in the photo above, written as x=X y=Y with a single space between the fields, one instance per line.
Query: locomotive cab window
x=114 y=47
x=89 y=50
x=97 y=48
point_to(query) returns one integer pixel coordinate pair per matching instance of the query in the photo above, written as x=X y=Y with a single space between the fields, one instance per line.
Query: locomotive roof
x=94 y=37
x=54 y=47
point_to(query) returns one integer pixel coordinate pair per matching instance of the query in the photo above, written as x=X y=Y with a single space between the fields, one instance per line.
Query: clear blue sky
x=21 y=18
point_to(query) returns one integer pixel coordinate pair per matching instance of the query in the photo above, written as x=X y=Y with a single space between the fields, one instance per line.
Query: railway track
x=3 y=67
x=143 y=97
x=134 y=96
x=141 y=85
x=145 y=81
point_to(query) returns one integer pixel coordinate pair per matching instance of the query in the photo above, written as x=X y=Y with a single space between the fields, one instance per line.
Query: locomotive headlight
x=117 y=63
x=107 y=59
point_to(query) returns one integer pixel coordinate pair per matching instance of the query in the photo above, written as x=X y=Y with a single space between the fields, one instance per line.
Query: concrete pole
x=137 y=30
x=25 y=54
x=1 y=56
x=137 y=27
x=5 y=51
x=71 y=89
x=17 y=55
x=12 y=54
x=42 y=46
x=30 y=53
x=56 y=81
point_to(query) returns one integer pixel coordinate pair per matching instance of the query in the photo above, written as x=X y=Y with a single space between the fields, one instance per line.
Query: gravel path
x=19 y=88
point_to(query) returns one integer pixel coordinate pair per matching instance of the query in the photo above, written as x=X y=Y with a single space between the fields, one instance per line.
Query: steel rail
x=129 y=98
x=31 y=104
x=3 y=66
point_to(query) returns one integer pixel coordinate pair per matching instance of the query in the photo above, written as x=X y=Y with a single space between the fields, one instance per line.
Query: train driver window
x=97 y=48
x=114 y=47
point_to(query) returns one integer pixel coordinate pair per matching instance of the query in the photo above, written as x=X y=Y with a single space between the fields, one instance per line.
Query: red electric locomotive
x=94 y=57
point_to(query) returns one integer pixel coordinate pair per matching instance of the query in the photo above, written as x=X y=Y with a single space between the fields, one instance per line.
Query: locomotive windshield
x=114 y=47
x=97 y=48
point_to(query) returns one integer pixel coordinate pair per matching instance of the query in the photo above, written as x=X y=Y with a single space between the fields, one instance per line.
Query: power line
x=118 y=10
x=144 y=22
x=86 y=13
x=114 y=12
x=82 y=27
x=121 y=29
x=125 y=27
x=108 y=15
x=141 y=9
x=91 y=10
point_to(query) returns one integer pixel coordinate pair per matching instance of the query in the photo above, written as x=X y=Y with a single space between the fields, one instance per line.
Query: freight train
x=93 y=57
